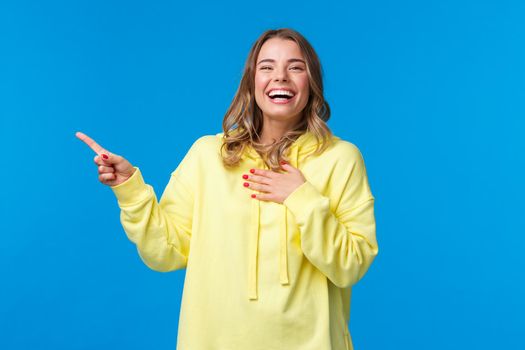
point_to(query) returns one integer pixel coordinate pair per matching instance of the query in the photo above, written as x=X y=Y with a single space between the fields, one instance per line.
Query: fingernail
x=253 y=196
x=105 y=156
x=283 y=162
x=245 y=176
x=246 y=184
x=252 y=171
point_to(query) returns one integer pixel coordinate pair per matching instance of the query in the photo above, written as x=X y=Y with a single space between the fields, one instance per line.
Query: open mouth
x=281 y=96
x=281 y=99
x=278 y=96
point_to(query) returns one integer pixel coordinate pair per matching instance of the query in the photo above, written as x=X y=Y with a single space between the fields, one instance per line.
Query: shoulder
x=199 y=156
x=352 y=177
x=204 y=143
x=197 y=153
x=205 y=140
x=344 y=151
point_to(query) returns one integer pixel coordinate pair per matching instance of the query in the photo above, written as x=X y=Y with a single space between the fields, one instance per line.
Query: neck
x=273 y=130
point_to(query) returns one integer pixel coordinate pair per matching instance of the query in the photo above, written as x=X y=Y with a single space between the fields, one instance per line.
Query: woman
x=273 y=218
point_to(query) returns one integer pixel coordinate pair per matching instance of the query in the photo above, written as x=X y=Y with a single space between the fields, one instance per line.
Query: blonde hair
x=242 y=123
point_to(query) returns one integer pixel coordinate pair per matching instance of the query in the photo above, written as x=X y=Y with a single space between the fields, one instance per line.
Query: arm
x=161 y=230
x=341 y=244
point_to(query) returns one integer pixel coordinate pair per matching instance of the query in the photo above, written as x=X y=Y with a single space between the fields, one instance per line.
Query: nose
x=281 y=74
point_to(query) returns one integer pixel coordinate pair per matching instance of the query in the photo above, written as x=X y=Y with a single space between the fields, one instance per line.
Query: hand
x=112 y=168
x=276 y=187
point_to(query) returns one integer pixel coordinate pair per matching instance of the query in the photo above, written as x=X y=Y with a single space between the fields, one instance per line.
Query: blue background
x=432 y=93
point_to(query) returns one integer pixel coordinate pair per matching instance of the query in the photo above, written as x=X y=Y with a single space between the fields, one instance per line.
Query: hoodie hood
x=303 y=145
x=298 y=150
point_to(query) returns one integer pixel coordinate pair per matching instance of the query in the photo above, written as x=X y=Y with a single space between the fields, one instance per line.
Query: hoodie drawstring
x=283 y=233
x=284 y=248
x=253 y=252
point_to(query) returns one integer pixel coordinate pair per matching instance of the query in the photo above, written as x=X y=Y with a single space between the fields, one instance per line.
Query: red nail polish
x=253 y=196
x=252 y=171
x=283 y=162
x=246 y=184
x=105 y=156
x=245 y=176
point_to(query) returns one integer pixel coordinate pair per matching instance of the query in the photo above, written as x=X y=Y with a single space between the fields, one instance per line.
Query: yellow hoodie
x=259 y=274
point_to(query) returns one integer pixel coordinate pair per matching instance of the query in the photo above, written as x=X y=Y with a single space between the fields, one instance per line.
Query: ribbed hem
x=132 y=190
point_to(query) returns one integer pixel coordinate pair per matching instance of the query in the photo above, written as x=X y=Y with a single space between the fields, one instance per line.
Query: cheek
x=259 y=86
x=304 y=84
x=305 y=89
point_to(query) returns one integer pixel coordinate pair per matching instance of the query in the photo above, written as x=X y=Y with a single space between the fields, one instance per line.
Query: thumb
x=286 y=166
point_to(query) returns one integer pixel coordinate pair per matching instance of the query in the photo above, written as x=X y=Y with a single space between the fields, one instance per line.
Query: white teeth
x=281 y=92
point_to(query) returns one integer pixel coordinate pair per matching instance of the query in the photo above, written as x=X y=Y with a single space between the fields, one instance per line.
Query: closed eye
x=266 y=68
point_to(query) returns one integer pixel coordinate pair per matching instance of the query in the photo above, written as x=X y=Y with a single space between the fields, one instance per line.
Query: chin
x=280 y=115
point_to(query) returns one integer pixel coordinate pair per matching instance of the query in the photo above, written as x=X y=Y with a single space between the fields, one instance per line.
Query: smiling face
x=281 y=66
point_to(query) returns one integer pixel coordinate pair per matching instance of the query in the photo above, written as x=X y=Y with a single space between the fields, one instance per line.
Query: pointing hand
x=112 y=168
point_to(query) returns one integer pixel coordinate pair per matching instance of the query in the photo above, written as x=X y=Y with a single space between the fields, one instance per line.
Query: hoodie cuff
x=132 y=190
x=303 y=199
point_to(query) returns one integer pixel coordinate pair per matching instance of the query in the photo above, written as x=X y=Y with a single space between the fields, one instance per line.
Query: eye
x=298 y=68
x=265 y=67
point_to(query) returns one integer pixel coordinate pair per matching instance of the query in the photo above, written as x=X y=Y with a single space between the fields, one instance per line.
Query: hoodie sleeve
x=341 y=243
x=160 y=230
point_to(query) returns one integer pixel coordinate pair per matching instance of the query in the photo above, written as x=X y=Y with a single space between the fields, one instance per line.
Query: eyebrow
x=273 y=61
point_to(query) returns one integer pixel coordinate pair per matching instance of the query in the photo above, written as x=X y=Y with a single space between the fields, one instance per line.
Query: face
x=281 y=65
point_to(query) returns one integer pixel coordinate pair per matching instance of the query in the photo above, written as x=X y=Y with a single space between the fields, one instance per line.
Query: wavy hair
x=243 y=121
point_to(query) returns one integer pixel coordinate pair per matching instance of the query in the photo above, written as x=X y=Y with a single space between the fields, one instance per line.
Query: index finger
x=263 y=172
x=90 y=142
